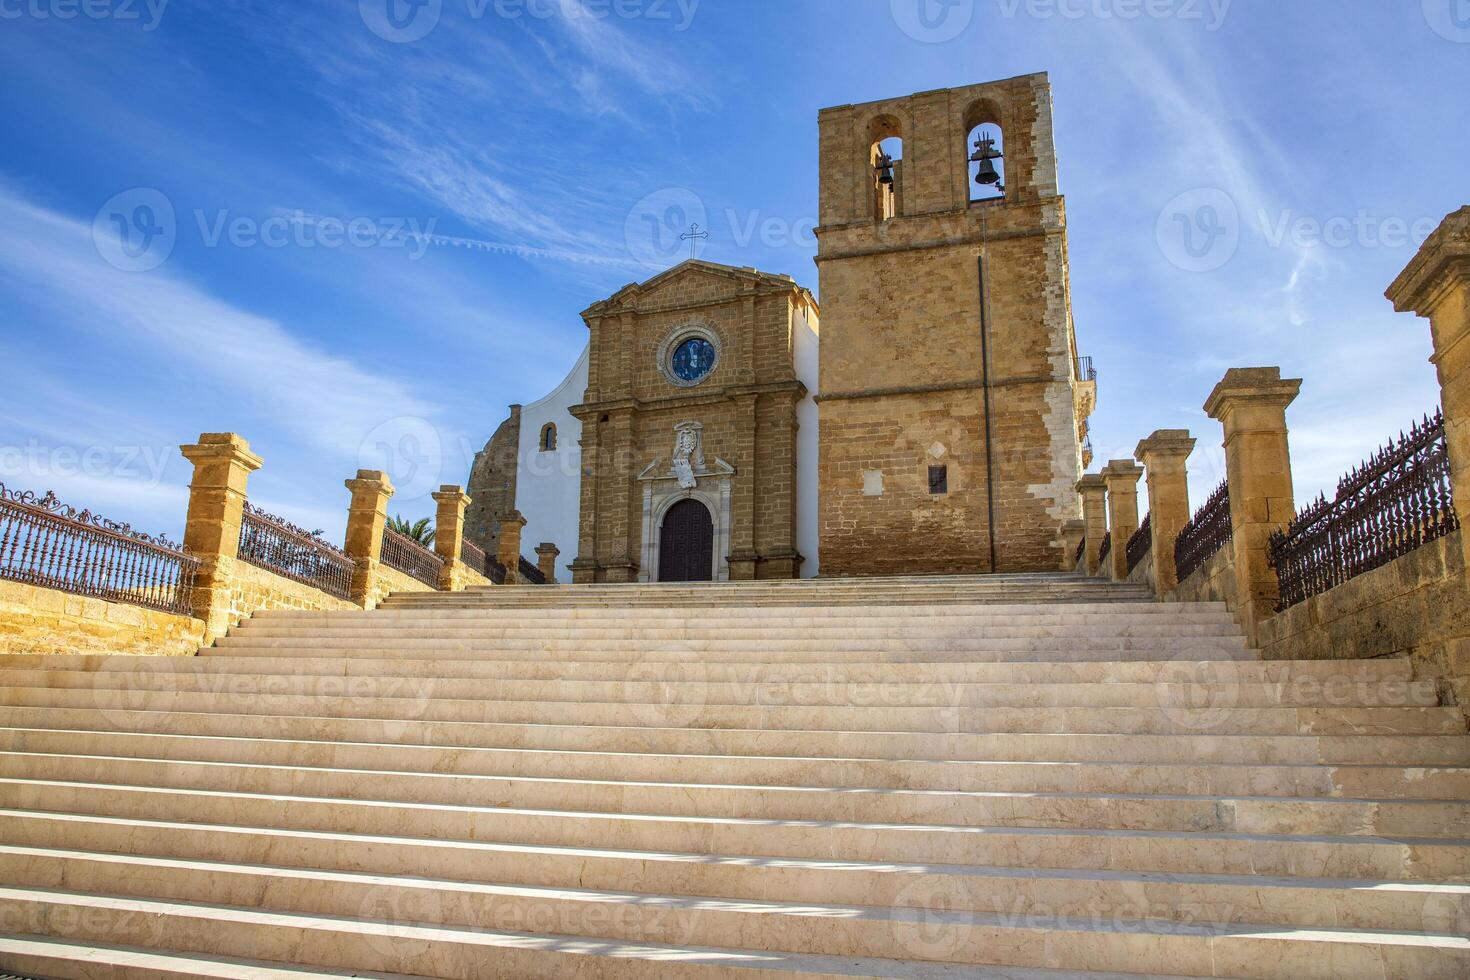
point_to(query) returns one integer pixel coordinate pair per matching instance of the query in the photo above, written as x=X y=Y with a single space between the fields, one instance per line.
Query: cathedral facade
x=932 y=419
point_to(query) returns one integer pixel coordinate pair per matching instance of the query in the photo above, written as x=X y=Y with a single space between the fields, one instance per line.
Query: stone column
x=367 y=514
x=1250 y=403
x=1094 y=491
x=451 y=502
x=511 y=526
x=1165 y=453
x=1073 y=534
x=1436 y=285
x=1121 y=476
x=546 y=553
x=223 y=463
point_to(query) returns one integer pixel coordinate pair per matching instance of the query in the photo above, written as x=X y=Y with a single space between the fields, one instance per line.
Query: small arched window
x=986 y=150
x=548 y=437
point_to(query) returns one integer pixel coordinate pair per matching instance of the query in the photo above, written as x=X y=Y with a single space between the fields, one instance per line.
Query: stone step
x=1412 y=751
x=465 y=873
x=1372 y=782
x=874 y=646
x=1188 y=851
x=1076 y=632
x=452 y=953
x=1106 y=613
x=685 y=686
x=1157 y=720
x=241 y=646
x=49 y=841
x=1339 y=679
x=1118 y=811
x=42 y=956
x=196 y=903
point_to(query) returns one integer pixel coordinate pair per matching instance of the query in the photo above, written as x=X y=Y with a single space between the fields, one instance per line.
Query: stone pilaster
x=546 y=554
x=1166 y=453
x=1073 y=534
x=1436 y=285
x=223 y=463
x=511 y=526
x=1122 y=476
x=1094 y=491
x=1250 y=403
x=450 y=503
x=367 y=515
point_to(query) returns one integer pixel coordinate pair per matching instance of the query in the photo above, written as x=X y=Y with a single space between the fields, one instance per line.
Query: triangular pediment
x=700 y=281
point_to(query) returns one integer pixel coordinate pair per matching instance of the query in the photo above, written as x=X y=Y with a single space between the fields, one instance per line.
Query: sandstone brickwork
x=36 y=620
x=492 y=484
x=947 y=341
x=746 y=410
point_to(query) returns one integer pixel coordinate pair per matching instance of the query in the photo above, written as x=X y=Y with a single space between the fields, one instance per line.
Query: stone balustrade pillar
x=1094 y=491
x=223 y=463
x=1250 y=404
x=1436 y=285
x=450 y=502
x=509 y=554
x=367 y=516
x=1166 y=454
x=1073 y=534
x=546 y=554
x=1121 y=477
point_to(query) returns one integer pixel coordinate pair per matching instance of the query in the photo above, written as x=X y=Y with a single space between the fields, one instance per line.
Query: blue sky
x=272 y=164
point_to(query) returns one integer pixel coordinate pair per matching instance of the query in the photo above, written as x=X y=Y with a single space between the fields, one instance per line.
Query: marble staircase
x=1023 y=777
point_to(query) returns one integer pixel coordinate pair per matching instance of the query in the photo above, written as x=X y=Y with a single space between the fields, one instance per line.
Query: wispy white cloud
x=325 y=399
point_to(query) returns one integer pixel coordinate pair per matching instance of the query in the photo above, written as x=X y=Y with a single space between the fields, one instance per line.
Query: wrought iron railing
x=1107 y=547
x=1207 y=533
x=411 y=558
x=1085 y=370
x=1396 y=502
x=44 y=542
x=281 y=547
x=1141 y=542
x=472 y=555
x=1081 y=549
x=530 y=574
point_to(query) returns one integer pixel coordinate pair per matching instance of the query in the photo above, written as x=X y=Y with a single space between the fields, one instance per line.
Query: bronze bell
x=885 y=170
x=986 y=154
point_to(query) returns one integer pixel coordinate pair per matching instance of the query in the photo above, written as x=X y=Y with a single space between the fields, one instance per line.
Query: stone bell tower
x=953 y=411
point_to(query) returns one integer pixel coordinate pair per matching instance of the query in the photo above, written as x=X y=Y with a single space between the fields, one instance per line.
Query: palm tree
x=420 y=531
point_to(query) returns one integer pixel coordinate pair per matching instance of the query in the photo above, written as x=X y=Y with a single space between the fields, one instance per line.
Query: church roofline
x=750 y=273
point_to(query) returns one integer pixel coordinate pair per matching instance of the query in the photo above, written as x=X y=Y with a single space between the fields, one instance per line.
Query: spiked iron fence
x=1141 y=542
x=411 y=558
x=44 y=542
x=1206 y=534
x=1397 y=501
x=281 y=547
x=1107 y=547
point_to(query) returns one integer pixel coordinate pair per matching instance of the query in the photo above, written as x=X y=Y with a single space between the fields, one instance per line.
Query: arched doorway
x=686 y=544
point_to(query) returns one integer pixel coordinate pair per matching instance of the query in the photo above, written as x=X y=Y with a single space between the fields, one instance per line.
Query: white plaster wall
x=549 y=485
x=804 y=348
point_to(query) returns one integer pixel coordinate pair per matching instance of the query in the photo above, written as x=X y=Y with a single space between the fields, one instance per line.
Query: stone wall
x=1213 y=581
x=1414 y=606
x=387 y=581
x=36 y=620
x=1143 y=572
x=253 y=588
